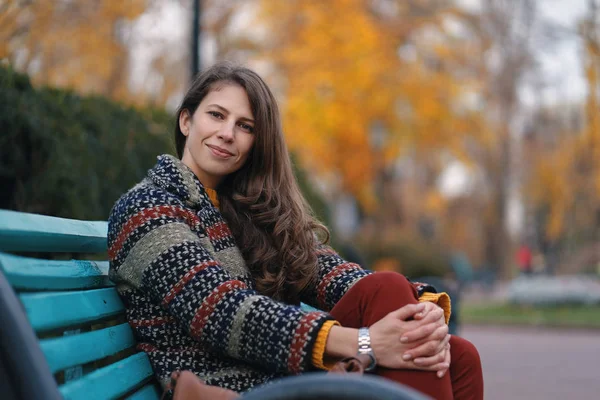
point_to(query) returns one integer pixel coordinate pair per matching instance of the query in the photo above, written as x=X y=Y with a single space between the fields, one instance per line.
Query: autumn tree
x=501 y=58
x=361 y=87
x=562 y=190
x=74 y=44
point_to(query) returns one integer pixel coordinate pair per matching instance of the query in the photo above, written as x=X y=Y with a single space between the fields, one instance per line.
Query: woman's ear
x=185 y=120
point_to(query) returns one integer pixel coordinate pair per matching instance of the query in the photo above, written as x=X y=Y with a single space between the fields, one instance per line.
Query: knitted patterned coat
x=189 y=296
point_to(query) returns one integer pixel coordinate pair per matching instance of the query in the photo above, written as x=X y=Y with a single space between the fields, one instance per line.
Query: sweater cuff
x=318 y=353
x=441 y=299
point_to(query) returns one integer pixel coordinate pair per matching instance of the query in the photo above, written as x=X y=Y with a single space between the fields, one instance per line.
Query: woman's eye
x=216 y=114
x=246 y=127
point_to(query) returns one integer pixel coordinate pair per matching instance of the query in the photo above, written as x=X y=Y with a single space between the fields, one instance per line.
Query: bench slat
x=148 y=392
x=31 y=232
x=111 y=381
x=35 y=274
x=51 y=310
x=69 y=351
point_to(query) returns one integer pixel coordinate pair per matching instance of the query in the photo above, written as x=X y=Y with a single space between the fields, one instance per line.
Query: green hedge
x=415 y=257
x=69 y=155
x=72 y=156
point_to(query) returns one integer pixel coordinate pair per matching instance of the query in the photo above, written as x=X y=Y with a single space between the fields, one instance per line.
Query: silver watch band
x=364 y=341
x=364 y=346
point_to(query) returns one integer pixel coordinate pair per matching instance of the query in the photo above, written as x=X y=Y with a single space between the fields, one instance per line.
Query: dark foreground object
x=314 y=386
x=24 y=373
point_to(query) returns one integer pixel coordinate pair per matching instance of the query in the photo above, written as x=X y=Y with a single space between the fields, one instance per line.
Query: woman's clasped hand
x=413 y=337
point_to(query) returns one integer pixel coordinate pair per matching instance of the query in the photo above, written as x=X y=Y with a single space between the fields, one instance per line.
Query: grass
x=506 y=314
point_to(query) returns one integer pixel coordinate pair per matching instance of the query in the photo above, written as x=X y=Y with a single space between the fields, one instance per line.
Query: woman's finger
x=442 y=372
x=427 y=349
x=435 y=363
x=444 y=343
x=439 y=334
x=426 y=355
x=429 y=306
x=441 y=368
x=423 y=328
x=408 y=311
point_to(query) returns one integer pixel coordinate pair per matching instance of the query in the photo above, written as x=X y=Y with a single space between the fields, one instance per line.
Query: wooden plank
x=148 y=392
x=72 y=350
x=76 y=371
x=32 y=232
x=51 y=310
x=111 y=381
x=25 y=273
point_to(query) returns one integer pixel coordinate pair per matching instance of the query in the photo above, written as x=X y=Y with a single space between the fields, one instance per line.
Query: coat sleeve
x=336 y=277
x=154 y=246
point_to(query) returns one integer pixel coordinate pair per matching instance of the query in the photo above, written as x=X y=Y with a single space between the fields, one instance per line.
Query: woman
x=214 y=250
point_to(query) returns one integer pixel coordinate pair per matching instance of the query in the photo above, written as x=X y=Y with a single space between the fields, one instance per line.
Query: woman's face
x=220 y=134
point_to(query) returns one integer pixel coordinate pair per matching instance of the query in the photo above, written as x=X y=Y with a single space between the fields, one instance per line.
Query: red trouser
x=376 y=295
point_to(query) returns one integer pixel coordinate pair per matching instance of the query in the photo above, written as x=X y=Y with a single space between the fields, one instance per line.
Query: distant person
x=524 y=260
x=214 y=250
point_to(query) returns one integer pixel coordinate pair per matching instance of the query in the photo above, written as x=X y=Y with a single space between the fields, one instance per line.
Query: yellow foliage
x=344 y=75
x=74 y=44
x=435 y=203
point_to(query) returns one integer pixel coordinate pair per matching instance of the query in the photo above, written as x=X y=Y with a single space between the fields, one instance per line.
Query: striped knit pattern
x=189 y=296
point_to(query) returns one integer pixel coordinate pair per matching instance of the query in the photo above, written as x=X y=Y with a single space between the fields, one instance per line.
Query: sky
x=560 y=60
x=563 y=64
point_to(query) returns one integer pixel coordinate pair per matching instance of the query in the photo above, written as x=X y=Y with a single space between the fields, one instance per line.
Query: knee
x=388 y=278
x=390 y=282
x=464 y=352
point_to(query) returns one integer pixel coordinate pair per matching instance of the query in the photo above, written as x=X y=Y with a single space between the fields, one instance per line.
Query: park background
x=434 y=137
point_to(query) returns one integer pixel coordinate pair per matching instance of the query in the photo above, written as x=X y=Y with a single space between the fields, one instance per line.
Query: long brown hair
x=262 y=203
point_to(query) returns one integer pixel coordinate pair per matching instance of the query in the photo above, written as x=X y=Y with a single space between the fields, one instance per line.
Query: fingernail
x=418 y=360
x=406 y=357
x=404 y=339
x=440 y=374
x=419 y=314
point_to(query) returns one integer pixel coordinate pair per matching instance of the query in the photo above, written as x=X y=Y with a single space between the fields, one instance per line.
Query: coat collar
x=171 y=174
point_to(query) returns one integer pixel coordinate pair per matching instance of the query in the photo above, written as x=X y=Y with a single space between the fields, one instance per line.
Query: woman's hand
x=386 y=336
x=440 y=362
x=409 y=329
x=412 y=329
x=428 y=332
x=428 y=341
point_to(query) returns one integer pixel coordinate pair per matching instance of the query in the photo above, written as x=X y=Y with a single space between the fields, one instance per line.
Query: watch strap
x=364 y=347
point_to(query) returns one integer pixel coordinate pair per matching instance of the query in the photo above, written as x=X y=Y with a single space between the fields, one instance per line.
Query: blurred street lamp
x=196 y=29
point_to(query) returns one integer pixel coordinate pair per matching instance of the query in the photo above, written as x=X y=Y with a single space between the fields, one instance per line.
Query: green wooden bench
x=73 y=308
x=64 y=332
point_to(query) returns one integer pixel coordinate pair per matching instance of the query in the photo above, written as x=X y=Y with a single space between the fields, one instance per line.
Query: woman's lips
x=219 y=152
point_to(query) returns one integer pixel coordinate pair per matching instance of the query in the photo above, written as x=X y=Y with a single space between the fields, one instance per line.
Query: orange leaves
x=79 y=45
x=550 y=185
x=345 y=74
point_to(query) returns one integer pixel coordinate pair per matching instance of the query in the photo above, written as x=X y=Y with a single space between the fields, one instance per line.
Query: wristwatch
x=364 y=347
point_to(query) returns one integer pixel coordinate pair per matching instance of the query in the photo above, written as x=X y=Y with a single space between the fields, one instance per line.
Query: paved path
x=534 y=364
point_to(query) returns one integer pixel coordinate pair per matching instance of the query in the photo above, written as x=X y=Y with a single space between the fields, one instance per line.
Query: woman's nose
x=226 y=132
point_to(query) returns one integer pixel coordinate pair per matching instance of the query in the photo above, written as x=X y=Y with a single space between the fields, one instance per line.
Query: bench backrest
x=73 y=307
